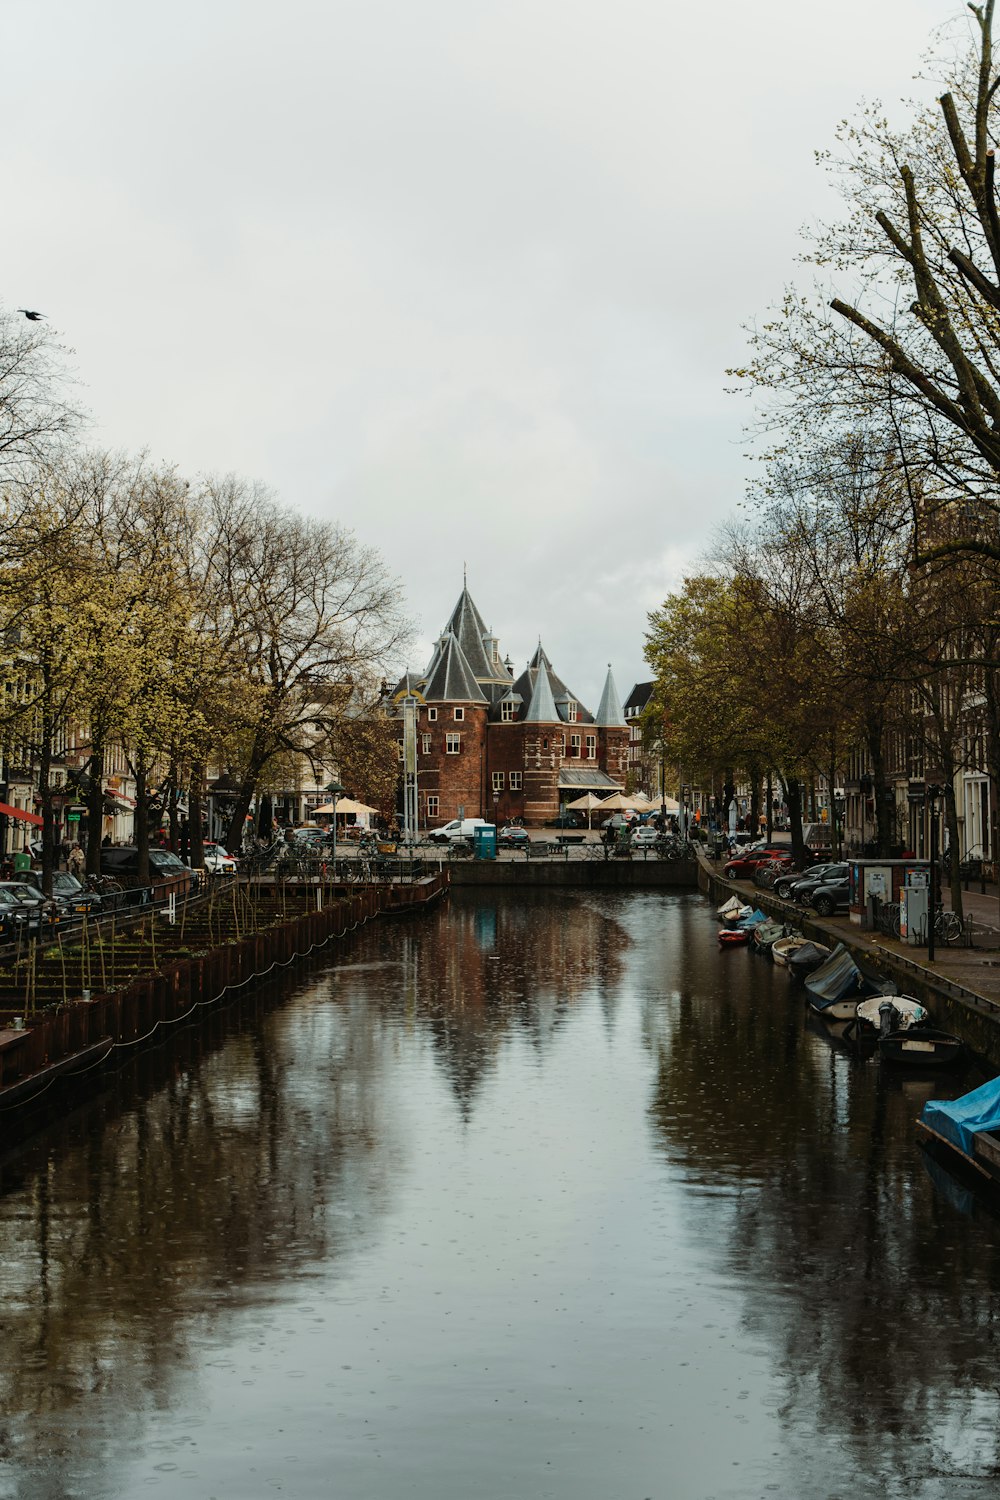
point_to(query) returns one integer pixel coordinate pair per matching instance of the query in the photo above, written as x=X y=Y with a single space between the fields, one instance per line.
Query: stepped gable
x=450 y=678
x=609 y=710
x=542 y=708
x=561 y=695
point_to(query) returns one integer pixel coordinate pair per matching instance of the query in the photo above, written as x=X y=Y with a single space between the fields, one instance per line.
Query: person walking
x=77 y=861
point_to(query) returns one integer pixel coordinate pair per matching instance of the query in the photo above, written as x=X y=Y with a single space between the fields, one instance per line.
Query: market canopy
x=345 y=805
x=586 y=803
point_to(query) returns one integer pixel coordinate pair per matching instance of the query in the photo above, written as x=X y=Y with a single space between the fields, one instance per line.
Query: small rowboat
x=783 y=948
x=732 y=937
x=907 y=1013
x=921 y=1047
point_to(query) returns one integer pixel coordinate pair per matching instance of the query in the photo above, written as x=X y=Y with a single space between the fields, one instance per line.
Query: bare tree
x=310 y=618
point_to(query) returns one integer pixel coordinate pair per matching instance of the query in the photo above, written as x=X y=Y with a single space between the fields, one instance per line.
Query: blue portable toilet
x=485 y=841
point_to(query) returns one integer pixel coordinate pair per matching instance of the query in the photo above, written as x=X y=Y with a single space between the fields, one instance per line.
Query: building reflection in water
x=273 y=1150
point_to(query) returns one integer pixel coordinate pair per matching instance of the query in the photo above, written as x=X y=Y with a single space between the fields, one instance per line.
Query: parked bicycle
x=948 y=925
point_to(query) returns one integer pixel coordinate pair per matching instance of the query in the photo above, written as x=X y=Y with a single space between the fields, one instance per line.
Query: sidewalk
x=973 y=963
x=975 y=969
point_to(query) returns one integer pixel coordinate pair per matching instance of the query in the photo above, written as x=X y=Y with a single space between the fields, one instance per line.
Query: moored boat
x=807 y=958
x=768 y=933
x=920 y=1047
x=907 y=1012
x=969 y=1127
x=734 y=937
x=835 y=988
x=783 y=948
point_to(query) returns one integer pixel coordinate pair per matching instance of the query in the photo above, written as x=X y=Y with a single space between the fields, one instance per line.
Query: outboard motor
x=886 y=1018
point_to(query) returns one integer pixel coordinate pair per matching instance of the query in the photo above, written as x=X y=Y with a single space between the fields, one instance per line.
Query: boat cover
x=731 y=907
x=959 y=1120
x=842 y=975
x=808 y=955
x=753 y=920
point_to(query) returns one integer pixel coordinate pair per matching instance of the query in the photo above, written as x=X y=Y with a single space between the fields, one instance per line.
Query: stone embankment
x=961 y=987
x=70 y=1005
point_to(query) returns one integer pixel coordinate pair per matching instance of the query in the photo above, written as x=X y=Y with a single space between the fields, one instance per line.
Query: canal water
x=539 y=1196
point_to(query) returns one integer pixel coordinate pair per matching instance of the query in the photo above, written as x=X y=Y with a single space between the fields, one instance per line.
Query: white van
x=458 y=828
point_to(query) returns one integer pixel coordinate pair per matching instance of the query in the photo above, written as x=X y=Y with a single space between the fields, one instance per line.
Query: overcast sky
x=464 y=275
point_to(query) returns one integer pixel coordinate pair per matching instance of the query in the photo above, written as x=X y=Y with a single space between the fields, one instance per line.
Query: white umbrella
x=586 y=804
x=345 y=805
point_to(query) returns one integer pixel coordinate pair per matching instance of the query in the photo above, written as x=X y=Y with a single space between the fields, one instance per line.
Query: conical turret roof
x=609 y=710
x=542 y=708
x=469 y=629
x=451 y=679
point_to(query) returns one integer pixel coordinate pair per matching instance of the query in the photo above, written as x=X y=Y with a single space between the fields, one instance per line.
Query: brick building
x=495 y=746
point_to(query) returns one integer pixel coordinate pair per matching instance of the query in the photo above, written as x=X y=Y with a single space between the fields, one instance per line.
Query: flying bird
x=33 y=317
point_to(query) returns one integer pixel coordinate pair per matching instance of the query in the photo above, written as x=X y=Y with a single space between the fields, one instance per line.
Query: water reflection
x=535 y=1197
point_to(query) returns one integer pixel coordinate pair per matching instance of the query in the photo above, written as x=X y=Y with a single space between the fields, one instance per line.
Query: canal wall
x=588 y=874
x=955 y=1007
x=66 y=1039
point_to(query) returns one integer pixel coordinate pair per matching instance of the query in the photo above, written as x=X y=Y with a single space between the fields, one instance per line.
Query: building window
x=459 y=715
x=571 y=710
x=433 y=807
x=453 y=744
x=515 y=781
x=591 y=746
x=432 y=714
x=574 y=745
x=498 y=780
x=425 y=744
x=506 y=709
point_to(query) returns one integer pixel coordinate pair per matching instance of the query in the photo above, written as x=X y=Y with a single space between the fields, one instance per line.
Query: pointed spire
x=542 y=708
x=609 y=710
x=452 y=679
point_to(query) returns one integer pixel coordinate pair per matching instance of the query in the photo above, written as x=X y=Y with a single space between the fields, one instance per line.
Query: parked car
x=809 y=886
x=566 y=820
x=69 y=892
x=38 y=912
x=830 y=897
x=786 y=885
x=645 y=837
x=743 y=866
x=166 y=871
x=15 y=919
x=218 y=861
x=513 y=838
x=458 y=828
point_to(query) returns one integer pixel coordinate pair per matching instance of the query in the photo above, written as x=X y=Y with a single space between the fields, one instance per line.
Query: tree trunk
x=195 y=837
x=95 y=806
x=142 y=819
x=793 y=798
x=175 y=825
x=45 y=793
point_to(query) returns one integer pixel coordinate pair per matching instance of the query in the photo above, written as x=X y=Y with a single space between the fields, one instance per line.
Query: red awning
x=19 y=812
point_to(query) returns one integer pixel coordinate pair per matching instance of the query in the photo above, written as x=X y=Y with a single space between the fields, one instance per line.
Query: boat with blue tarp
x=969 y=1126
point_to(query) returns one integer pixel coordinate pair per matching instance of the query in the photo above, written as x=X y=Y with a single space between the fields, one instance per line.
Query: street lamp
x=496 y=811
x=335 y=789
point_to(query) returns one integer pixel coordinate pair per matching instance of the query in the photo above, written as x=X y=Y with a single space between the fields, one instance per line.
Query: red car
x=743 y=866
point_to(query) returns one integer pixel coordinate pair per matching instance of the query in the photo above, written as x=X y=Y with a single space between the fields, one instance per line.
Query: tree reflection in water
x=272 y=1150
x=877 y=1299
